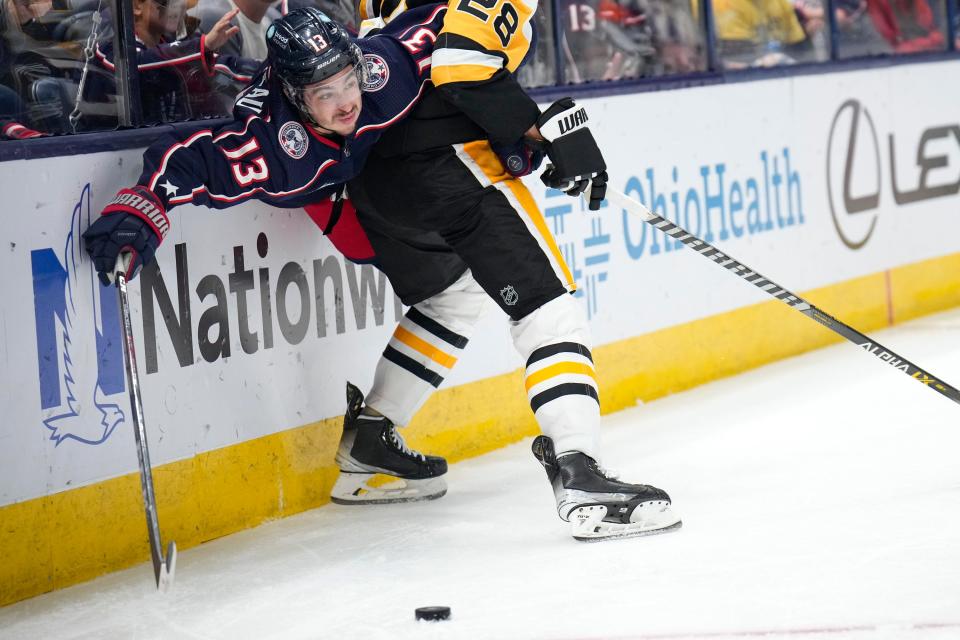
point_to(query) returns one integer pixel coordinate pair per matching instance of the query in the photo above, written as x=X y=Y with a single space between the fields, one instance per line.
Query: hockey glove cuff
x=519 y=159
x=134 y=223
x=576 y=163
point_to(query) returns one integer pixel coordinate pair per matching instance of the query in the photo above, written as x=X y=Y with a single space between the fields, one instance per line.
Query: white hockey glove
x=576 y=164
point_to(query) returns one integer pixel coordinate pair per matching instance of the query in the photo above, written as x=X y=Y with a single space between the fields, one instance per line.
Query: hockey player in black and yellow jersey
x=452 y=224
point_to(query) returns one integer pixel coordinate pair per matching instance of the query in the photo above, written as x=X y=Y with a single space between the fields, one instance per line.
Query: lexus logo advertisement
x=862 y=170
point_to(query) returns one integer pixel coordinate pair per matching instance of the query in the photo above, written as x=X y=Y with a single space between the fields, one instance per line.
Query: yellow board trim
x=558 y=370
x=422 y=346
x=58 y=540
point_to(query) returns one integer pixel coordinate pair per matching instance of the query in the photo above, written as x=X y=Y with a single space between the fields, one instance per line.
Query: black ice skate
x=370 y=446
x=597 y=506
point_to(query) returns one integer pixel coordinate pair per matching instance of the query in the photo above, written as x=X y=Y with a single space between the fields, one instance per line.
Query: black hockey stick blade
x=772 y=288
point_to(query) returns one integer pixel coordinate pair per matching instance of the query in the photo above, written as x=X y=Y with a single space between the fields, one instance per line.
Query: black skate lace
x=397 y=440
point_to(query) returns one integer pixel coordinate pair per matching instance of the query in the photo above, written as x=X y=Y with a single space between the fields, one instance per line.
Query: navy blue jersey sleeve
x=270 y=154
x=178 y=53
x=185 y=53
x=235 y=68
x=265 y=154
x=398 y=60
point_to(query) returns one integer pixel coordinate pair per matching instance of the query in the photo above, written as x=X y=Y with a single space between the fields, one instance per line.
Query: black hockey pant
x=451 y=228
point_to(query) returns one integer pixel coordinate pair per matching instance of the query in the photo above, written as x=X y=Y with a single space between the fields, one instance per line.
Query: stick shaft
x=162 y=569
x=772 y=288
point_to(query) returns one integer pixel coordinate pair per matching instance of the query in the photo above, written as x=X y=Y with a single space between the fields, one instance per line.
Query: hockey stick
x=163 y=568
x=737 y=268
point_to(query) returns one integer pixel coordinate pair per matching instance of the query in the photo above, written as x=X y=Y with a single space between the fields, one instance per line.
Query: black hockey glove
x=133 y=223
x=519 y=159
x=576 y=164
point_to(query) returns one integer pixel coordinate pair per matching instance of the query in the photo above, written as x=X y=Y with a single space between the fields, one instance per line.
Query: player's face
x=335 y=102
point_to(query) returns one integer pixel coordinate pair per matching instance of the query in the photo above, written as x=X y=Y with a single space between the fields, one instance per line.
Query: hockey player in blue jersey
x=302 y=128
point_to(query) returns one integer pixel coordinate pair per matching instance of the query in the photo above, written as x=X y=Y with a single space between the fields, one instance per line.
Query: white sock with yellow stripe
x=561 y=381
x=423 y=349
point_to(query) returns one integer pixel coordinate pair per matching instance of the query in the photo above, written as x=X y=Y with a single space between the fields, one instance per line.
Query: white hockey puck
x=432 y=613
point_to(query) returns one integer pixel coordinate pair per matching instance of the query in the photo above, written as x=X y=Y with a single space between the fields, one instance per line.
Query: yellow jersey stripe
x=460 y=73
x=484 y=157
x=366 y=10
x=529 y=205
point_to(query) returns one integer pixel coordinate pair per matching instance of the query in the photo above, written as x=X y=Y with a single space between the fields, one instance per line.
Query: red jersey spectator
x=908 y=25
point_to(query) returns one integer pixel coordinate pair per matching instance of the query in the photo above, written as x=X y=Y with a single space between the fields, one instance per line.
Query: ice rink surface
x=820 y=498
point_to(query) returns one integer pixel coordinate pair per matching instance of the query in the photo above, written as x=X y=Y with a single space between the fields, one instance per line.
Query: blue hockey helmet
x=307 y=47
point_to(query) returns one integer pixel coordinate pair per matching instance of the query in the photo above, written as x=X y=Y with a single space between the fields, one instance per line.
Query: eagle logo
x=86 y=414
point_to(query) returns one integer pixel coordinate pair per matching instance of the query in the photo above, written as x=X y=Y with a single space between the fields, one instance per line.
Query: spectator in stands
x=12 y=113
x=251 y=17
x=811 y=14
x=762 y=33
x=254 y=16
x=856 y=34
x=849 y=11
x=908 y=26
x=24 y=15
x=343 y=11
x=586 y=49
x=539 y=67
x=21 y=31
x=629 y=36
x=677 y=36
x=615 y=39
x=177 y=75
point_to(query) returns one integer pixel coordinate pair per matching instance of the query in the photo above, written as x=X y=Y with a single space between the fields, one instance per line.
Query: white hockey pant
x=553 y=340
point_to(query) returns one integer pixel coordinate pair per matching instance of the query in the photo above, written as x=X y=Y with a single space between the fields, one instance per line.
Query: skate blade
x=375 y=488
x=587 y=524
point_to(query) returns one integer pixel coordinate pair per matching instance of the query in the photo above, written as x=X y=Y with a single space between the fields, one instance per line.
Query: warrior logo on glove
x=141 y=205
x=133 y=223
x=569 y=123
x=576 y=164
